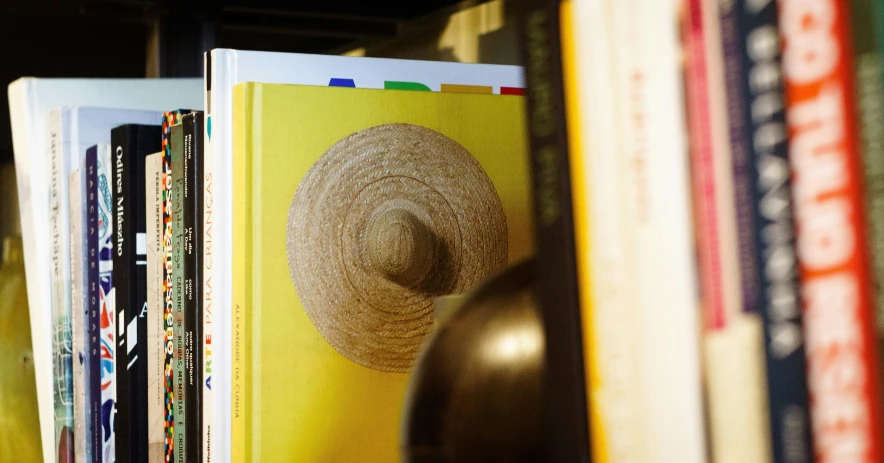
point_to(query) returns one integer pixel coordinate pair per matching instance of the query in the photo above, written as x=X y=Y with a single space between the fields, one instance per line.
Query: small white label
x=141 y=244
x=132 y=340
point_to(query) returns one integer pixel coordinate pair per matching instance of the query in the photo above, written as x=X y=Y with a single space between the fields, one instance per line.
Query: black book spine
x=130 y=145
x=93 y=300
x=766 y=133
x=565 y=417
x=192 y=241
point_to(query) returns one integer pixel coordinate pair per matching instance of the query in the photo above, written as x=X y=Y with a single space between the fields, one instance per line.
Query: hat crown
x=400 y=247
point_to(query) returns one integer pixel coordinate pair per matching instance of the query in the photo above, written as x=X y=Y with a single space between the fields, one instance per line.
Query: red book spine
x=834 y=260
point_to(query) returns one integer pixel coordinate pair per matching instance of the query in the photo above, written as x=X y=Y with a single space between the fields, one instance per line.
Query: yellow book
x=352 y=209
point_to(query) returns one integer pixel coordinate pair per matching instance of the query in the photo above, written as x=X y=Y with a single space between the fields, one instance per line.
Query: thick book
x=30 y=100
x=170 y=118
x=567 y=405
x=224 y=69
x=107 y=301
x=156 y=323
x=78 y=332
x=192 y=241
x=828 y=186
x=733 y=344
x=131 y=143
x=92 y=301
x=328 y=316
x=766 y=229
x=176 y=140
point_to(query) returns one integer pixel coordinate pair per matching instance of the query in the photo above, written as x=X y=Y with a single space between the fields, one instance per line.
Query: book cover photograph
x=348 y=223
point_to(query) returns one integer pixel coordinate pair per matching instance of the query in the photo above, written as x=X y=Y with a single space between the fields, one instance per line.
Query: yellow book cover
x=353 y=209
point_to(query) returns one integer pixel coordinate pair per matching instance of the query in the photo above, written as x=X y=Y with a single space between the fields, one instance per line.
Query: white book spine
x=153 y=172
x=78 y=324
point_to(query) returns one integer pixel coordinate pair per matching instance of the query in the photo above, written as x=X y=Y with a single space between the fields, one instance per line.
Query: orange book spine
x=833 y=256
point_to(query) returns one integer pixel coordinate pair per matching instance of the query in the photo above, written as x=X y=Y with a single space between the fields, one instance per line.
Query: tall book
x=178 y=331
x=763 y=198
x=828 y=186
x=170 y=119
x=557 y=286
x=226 y=68
x=156 y=324
x=131 y=143
x=92 y=301
x=78 y=331
x=107 y=301
x=192 y=242
x=733 y=338
x=30 y=101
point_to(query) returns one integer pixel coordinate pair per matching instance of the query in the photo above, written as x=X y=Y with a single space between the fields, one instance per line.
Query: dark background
x=137 y=38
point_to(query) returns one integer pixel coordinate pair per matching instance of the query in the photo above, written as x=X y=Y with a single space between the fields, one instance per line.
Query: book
x=170 y=119
x=567 y=406
x=224 y=69
x=733 y=339
x=192 y=242
x=107 y=301
x=323 y=345
x=30 y=100
x=763 y=193
x=828 y=185
x=131 y=143
x=176 y=139
x=155 y=310
x=78 y=329
x=92 y=302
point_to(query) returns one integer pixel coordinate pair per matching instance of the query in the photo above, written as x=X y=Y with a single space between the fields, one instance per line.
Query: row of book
x=183 y=309
x=730 y=151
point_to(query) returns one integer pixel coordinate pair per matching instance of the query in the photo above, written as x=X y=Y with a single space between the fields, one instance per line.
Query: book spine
x=178 y=381
x=169 y=119
x=156 y=324
x=204 y=286
x=93 y=306
x=107 y=302
x=123 y=277
x=557 y=286
x=764 y=133
x=60 y=299
x=834 y=260
x=733 y=338
x=78 y=335
x=868 y=38
x=239 y=287
x=192 y=241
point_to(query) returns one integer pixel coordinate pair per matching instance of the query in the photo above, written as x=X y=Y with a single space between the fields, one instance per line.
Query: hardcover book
x=30 y=101
x=156 y=324
x=107 y=302
x=333 y=301
x=178 y=316
x=224 y=69
x=834 y=262
x=131 y=143
x=78 y=331
x=92 y=301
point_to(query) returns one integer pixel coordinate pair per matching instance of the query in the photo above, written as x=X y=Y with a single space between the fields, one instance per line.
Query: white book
x=226 y=68
x=30 y=100
x=156 y=327
x=79 y=330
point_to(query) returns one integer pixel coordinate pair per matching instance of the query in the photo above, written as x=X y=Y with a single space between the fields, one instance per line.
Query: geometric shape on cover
x=387 y=219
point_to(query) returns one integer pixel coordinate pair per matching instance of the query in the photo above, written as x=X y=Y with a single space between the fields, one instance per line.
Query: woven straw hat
x=386 y=220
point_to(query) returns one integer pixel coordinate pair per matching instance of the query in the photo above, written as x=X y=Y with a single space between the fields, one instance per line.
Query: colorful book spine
x=169 y=119
x=239 y=290
x=153 y=187
x=92 y=287
x=192 y=240
x=63 y=394
x=557 y=286
x=834 y=260
x=107 y=304
x=178 y=369
x=733 y=338
x=131 y=144
x=208 y=397
x=868 y=39
x=78 y=334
